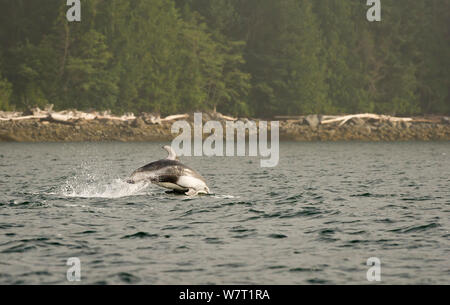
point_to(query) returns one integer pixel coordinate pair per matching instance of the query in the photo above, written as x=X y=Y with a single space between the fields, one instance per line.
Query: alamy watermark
x=374 y=12
x=74 y=272
x=374 y=272
x=235 y=139
x=74 y=12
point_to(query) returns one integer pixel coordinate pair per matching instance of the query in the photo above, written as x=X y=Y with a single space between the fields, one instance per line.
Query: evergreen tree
x=226 y=86
x=282 y=55
x=345 y=76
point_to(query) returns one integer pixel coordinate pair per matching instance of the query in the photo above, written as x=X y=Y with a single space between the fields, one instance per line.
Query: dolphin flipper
x=191 y=192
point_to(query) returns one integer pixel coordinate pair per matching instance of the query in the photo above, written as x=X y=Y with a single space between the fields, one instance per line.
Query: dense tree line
x=245 y=57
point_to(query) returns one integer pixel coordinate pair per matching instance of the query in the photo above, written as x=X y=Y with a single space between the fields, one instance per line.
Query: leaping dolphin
x=172 y=174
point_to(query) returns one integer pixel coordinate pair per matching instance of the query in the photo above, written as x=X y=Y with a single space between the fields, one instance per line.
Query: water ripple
x=314 y=219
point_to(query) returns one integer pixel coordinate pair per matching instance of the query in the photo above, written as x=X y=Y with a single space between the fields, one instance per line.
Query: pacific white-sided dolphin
x=172 y=174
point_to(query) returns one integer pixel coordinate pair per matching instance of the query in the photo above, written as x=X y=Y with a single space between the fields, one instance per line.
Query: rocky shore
x=146 y=127
x=356 y=129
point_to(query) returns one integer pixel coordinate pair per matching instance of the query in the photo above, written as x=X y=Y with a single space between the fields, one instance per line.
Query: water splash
x=100 y=189
x=98 y=183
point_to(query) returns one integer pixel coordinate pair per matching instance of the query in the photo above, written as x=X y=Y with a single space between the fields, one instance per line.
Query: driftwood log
x=175 y=117
x=345 y=118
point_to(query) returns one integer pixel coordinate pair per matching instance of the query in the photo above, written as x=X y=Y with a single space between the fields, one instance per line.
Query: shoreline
x=145 y=128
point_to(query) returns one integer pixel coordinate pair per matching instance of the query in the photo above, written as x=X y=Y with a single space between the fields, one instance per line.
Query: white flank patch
x=191 y=183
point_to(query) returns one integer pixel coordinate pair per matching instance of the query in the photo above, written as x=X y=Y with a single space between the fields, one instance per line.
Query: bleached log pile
x=65 y=115
x=75 y=115
x=344 y=119
x=72 y=116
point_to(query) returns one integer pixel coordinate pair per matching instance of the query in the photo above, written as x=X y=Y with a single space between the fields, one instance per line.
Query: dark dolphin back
x=168 y=167
x=157 y=165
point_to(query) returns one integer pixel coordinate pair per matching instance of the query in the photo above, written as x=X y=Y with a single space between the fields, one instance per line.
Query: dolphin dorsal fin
x=172 y=155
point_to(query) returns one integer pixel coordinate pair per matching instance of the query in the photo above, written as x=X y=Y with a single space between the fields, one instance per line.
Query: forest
x=241 y=57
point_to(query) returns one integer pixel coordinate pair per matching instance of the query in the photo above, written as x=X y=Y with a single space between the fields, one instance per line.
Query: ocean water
x=316 y=218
